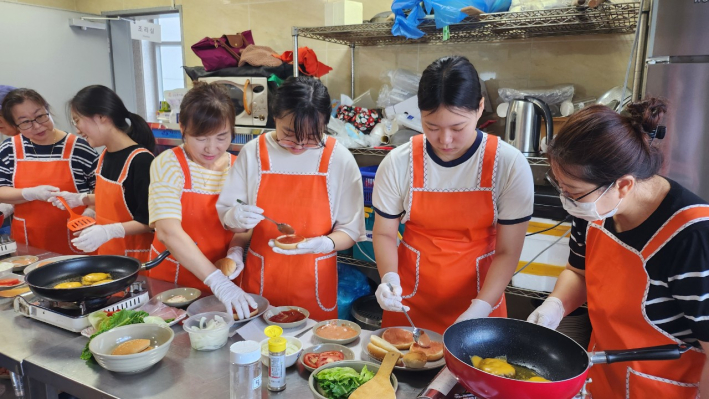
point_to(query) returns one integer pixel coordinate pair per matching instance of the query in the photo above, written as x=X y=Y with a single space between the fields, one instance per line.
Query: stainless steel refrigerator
x=678 y=71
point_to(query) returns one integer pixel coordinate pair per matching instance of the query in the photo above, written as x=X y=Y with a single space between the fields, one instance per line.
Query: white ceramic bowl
x=290 y=359
x=208 y=340
x=274 y=311
x=338 y=322
x=192 y=294
x=102 y=346
x=357 y=365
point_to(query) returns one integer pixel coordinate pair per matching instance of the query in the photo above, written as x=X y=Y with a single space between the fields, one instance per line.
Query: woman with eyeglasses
x=296 y=175
x=466 y=199
x=35 y=166
x=639 y=255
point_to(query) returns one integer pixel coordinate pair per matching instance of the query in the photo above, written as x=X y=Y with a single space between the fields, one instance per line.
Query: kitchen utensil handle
x=548 y=119
x=71 y=212
x=152 y=263
x=402 y=307
x=662 y=352
x=264 y=216
x=388 y=364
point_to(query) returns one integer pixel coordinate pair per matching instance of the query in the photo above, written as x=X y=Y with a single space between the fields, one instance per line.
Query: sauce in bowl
x=287 y=316
x=333 y=331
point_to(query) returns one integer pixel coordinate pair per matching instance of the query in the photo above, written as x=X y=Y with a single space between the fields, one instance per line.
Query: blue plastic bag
x=407 y=26
x=351 y=285
x=445 y=12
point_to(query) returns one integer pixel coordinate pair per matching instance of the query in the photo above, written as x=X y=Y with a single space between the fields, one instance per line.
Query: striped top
x=167 y=182
x=83 y=161
x=678 y=297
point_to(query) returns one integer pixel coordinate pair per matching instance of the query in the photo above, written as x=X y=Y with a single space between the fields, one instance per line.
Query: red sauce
x=292 y=239
x=287 y=316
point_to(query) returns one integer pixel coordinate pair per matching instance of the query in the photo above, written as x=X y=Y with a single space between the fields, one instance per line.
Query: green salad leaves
x=340 y=382
x=120 y=318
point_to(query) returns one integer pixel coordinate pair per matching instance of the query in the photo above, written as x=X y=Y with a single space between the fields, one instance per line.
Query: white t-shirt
x=513 y=188
x=344 y=181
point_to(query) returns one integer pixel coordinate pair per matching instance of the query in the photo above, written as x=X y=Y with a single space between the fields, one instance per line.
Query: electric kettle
x=523 y=125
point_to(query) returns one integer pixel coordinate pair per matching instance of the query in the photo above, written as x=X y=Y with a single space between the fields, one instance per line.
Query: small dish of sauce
x=334 y=331
x=287 y=316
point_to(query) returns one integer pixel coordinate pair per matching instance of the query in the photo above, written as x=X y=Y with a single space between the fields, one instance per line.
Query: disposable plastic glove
x=548 y=314
x=237 y=255
x=387 y=299
x=315 y=245
x=74 y=200
x=89 y=212
x=243 y=216
x=7 y=209
x=39 y=193
x=230 y=295
x=92 y=237
x=478 y=309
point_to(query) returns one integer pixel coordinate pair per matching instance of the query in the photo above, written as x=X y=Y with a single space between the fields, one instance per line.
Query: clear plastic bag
x=553 y=95
x=534 y=5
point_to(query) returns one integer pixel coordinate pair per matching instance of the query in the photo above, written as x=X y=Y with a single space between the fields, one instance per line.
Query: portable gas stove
x=74 y=316
x=7 y=245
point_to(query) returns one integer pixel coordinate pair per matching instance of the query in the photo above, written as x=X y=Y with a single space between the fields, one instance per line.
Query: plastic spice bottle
x=276 y=358
x=245 y=379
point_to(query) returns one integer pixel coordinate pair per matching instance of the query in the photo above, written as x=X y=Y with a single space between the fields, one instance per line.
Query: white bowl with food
x=293 y=348
x=320 y=355
x=356 y=365
x=337 y=331
x=179 y=297
x=132 y=348
x=208 y=331
x=288 y=241
x=19 y=263
x=282 y=315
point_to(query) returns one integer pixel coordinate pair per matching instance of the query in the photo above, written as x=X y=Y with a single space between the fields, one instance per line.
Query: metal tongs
x=282 y=227
x=420 y=336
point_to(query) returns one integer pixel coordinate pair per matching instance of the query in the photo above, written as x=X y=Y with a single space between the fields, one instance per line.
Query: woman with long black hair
x=122 y=175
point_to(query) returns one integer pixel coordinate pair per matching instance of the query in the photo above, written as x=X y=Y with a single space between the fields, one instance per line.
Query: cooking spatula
x=379 y=387
x=76 y=222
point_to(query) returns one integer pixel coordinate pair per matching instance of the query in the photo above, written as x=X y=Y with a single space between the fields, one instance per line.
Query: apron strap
x=126 y=166
x=19 y=146
x=263 y=153
x=489 y=161
x=682 y=219
x=417 y=160
x=182 y=159
x=232 y=159
x=69 y=146
x=326 y=155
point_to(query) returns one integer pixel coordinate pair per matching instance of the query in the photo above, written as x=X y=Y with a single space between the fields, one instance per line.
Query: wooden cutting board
x=14 y=292
x=380 y=386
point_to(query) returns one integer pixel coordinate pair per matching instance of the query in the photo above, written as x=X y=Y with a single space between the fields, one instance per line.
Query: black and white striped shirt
x=678 y=298
x=83 y=161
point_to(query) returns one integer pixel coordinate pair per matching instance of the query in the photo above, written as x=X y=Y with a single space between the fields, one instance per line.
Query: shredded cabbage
x=340 y=382
x=155 y=320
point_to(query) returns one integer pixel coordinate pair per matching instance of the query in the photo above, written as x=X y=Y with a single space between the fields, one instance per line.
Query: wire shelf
x=369 y=151
x=607 y=18
x=538 y=161
x=356 y=262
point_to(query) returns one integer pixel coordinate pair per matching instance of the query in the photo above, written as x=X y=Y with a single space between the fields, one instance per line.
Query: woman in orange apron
x=638 y=253
x=35 y=166
x=465 y=198
x=185 y=183
x=296 y=176
x=121 y=194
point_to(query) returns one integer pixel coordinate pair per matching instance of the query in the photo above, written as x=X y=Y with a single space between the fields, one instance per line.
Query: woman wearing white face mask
x=639 y=253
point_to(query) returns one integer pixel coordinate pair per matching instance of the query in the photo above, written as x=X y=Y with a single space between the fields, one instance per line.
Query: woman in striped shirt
x=639 y=253
x=185 y=183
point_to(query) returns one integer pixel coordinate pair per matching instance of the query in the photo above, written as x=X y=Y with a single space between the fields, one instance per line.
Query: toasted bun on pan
x=433 y=352
x=226 y=265
x=379 y=353
x=131 y=347
x=415 y=360
x=400 y=338
x=290 y=241
x=252 y=313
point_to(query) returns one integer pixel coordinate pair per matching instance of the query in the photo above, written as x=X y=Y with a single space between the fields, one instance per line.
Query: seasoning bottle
x=276 y=358
x=245 y=378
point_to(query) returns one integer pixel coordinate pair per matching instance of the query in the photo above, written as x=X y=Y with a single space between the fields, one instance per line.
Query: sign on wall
x=142 y=30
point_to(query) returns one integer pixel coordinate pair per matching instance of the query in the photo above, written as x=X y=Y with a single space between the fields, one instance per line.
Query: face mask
x=588 y=210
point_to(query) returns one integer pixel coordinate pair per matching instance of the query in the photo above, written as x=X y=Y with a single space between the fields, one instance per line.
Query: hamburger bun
x=414 y=360
x=378 y=341
x=289 y=241
x=379 y=353
x=226 y=265
x=131 y=347
x=433 y=352
x=400 y=338
x=252 y=313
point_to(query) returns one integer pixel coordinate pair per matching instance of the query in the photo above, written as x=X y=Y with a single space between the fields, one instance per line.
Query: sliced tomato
x=9 y=282
x=311 y=360
x=330 y=357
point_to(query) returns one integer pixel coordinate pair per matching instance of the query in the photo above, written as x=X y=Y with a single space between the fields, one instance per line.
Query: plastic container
x=276 y=358
x=208 y=340
x=245 y=370
x=368 y=173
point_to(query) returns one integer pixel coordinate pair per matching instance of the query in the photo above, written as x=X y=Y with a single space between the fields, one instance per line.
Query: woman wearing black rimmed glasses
x=297 y=176
x=639 y=253
x=35 y=166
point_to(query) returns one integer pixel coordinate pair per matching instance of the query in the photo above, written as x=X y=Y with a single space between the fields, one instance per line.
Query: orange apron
x=301 y=200
x=111 y=208
x=448 y=245
x=201 y=222
x=616 y=309
x=41 y=224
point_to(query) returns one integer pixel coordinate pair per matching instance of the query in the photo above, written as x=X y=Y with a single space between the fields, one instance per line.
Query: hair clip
x=658 y=133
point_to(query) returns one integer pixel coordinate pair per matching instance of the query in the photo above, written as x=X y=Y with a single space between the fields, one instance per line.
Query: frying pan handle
x=151 y=264
x=663 y=352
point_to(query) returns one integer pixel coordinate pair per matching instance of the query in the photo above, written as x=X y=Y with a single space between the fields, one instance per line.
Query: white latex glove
x=548 y=314
x=237 y=255
x=230 y=295
x=89 y=212
x=315 y=245
x=90 y=238
x=39 y=193
x=478 y=308
x=243 y=216
x=74 y=200
x=388 y=300
x=7 y=209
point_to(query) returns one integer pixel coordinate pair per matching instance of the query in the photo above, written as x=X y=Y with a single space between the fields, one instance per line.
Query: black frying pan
x=123 y=269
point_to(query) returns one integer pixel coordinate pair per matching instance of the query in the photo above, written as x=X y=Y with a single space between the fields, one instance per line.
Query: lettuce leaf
x=120 y=318
x=340 y=382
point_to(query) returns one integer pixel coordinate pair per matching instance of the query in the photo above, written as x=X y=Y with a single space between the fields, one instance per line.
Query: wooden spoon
x=380 y=386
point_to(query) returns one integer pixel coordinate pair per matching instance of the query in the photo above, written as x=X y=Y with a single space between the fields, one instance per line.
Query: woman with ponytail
x=638 y=254
x=122 y=174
